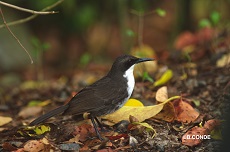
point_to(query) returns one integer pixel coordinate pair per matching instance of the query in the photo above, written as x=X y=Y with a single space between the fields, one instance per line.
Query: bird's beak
x=143 y=60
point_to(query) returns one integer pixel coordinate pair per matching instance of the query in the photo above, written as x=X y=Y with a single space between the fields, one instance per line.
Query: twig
x=4 y=21
x=26 y=10
x=32 y=16
x=140 y=16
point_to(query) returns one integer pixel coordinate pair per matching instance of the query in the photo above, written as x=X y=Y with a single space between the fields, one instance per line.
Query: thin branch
x=26 y=10
x=4 y=21
x=32 y=16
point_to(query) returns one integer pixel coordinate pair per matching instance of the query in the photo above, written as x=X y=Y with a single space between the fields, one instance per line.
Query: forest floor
x=202 y=84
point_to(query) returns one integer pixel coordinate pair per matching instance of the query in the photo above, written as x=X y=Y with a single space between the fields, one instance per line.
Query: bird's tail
x=48 y=115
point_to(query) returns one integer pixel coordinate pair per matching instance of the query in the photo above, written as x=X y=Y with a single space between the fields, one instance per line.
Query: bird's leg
x=95 y=127
x=101 y=126
x=99 y=123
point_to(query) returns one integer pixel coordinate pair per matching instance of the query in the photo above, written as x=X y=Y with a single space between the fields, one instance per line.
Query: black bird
x=104 y=96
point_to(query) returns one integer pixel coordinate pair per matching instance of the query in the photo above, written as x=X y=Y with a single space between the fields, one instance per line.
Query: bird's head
x=124 y=63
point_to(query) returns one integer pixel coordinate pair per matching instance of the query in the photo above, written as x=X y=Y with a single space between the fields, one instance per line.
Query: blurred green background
x=97 y=31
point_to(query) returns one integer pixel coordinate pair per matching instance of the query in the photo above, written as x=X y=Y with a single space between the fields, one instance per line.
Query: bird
x=104 y=96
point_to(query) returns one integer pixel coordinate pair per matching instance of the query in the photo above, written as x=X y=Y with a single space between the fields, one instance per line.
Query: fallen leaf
x=223 y=61
x=167 y=75
x=4 y=120
x=184 y=112
x=211 y=124
x=30 y=111
x=41 y=129
x=141 y=113
x=33 y=131
x=34 y=85
x=195 y=135
x=167 y=113
x=34 y=146
x=134 y=103
x=162 y=94
x=196 y=102
x=39 y=103
x=190 y=137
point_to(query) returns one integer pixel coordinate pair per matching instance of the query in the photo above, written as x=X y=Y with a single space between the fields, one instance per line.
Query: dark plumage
x=104 y=96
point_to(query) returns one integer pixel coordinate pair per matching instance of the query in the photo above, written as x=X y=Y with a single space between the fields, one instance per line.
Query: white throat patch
x=130 y=78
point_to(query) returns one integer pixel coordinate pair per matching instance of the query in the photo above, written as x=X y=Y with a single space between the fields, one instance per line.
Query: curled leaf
x=164 y=78
x=167 y=113
x=162 y=94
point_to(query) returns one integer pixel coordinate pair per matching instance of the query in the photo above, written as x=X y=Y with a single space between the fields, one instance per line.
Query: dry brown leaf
x=34 y=145
x=187 y=138
x=194 y=136
x=185 y=112
x=167 y=113
x=162 y=94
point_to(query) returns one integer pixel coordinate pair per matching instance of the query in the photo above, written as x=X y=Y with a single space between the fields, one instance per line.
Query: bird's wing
x=97 y=96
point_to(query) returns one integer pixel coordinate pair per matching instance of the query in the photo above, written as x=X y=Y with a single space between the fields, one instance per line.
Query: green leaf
x=85 y=58
x=38 y=103
x=215 y=17
x=146 y=76
x=196 y=102
x=160 y=12
x=46 y=46
x=204 y=23
x=129 y=33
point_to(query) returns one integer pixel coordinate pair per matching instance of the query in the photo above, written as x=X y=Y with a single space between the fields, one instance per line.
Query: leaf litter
x=203 y=82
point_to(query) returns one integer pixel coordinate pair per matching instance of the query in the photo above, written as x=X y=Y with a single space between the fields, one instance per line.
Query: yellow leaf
x=164 y=78
x=141 y=113
x=39 y=103
x=223 y=61
x=4 y=120
x=134 y=103
x=144 y=124
x=34 y=131
x=42 y=129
